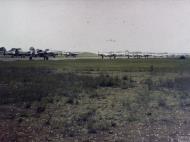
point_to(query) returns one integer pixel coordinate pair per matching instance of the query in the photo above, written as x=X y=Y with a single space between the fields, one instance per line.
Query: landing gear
x=114 y=56
x=30 y=58
x=46 y=57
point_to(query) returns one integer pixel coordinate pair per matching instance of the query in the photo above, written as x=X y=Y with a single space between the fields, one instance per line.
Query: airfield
x=101 y=55
x=89 y=99
x=7 y=58
x=81 y=55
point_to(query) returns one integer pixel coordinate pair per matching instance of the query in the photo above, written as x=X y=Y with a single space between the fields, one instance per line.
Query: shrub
x=100 y=125
x=34 y=84
x=132 y=118
x=182 y=57
x=125 y=77
x=151 y=68
x=179 y=83
x=40 y=109
x=162 y=103
x=149 y=83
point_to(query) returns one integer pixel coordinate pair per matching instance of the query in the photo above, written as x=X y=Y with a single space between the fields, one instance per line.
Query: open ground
x=123 y=100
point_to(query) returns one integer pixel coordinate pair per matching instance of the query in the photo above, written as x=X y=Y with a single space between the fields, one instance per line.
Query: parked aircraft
x=33 y=53
x=52 y=53
x=71 y=54
x=18 y=52
x=107 y=54
x=2 y=50
x=42 y=53
x=136 y=54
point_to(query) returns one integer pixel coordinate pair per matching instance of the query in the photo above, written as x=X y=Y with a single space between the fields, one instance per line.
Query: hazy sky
x=96 y=25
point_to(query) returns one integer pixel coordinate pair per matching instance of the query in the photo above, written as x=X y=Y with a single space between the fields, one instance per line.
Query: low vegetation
x=118 y=102
x=32 y=84
x=120 y=65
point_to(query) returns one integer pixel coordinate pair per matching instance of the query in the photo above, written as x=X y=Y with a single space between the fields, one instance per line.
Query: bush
x=100 y=125
x=179 y=83
x=40 y=109
x=182 y=57
x=149 y=83
x=151 y=68
x=125 y=77
x=162 y=103
x=107 y=81
x=34 y=84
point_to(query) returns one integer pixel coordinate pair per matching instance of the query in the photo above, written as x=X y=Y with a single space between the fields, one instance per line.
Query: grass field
x=123 y=65
x=123 y=100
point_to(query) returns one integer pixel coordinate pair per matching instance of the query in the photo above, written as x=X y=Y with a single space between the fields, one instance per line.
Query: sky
x=96 y=25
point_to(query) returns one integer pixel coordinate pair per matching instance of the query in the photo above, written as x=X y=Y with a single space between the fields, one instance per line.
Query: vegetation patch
x=94 y=100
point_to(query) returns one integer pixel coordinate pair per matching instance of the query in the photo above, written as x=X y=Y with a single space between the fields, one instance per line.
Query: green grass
x=71 y=99
x=87 y=54
x=122 y=65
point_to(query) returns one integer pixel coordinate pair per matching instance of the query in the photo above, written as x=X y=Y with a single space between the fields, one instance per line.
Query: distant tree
x=182 y=57
x=31 y=48
x=2 y=50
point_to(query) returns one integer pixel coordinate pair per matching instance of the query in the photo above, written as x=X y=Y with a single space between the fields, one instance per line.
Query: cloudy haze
x=96 y=25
